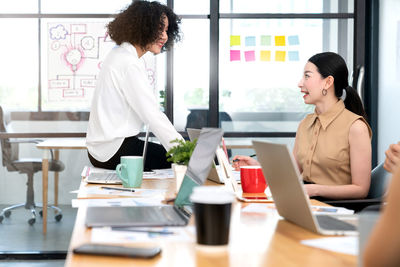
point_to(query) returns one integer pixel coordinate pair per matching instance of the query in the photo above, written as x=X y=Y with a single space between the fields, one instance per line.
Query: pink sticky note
x=249 y=55
x=235 y=55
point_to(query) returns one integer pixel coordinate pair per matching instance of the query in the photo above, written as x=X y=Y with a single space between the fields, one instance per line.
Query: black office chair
x=379 y=181
x=198 y=118
x=29 y=166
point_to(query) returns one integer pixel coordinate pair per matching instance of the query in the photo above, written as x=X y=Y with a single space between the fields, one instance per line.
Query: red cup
x=252 y=179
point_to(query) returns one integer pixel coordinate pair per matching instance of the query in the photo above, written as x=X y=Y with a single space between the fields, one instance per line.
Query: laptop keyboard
x=330 y=223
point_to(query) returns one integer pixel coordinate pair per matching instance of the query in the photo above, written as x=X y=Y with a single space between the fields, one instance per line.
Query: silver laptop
x=216 y=172
x=164 y=215
x=291 y=200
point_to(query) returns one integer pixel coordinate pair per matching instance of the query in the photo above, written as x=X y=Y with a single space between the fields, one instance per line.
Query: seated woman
x=383 y=246
x=333 y=145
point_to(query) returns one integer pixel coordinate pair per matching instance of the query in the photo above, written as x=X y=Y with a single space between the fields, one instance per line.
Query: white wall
x=389 y=76
x=13 y=184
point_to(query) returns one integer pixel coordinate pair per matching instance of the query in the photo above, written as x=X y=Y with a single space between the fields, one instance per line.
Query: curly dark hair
x=141 y=23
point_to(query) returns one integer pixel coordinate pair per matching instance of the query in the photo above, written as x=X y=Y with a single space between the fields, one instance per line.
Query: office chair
x=377 y=190
x=29 y=166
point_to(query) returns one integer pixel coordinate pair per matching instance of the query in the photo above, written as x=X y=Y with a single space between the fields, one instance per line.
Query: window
x=248 y=55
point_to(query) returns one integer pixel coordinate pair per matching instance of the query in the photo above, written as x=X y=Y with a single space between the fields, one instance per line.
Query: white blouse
x=122 y=102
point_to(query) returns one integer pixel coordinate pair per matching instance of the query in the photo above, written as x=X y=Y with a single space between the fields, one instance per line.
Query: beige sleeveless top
x=323 y=145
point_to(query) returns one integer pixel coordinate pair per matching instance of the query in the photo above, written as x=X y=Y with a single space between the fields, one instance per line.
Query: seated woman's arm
x=360 y=164
x=243 y=161
x=383 y=245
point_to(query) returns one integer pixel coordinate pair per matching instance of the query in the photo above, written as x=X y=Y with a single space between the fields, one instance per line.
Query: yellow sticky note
x=280 y=40
x=265 y=55
x=235 y=40
x=280 y=55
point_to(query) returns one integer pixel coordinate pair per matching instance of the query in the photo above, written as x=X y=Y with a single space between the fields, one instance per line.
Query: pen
x=118 y=188
x=252 y=156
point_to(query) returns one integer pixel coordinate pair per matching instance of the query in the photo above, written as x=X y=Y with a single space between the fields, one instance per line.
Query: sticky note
x=249 y=56
x=235 y=40
x=293 y=55
x=280 y=40
x=235 y=55
x=250 y=41
x=280 y=55
x=293 y=40
x=265 y=39
x=265 y=55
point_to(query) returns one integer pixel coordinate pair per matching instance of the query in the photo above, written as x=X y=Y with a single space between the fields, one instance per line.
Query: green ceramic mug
x=130 y=171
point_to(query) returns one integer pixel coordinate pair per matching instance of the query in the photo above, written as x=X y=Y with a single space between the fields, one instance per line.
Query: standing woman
x=333 y=145
x=124 y=100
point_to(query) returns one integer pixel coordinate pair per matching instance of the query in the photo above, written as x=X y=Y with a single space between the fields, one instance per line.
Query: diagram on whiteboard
x=75 y=54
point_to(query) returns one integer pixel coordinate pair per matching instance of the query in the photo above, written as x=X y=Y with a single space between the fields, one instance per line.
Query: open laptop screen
x=199 y=164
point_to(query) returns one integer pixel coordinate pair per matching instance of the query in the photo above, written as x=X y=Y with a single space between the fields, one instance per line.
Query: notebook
x=216 y=172
x=291 y=200
x=164 y=215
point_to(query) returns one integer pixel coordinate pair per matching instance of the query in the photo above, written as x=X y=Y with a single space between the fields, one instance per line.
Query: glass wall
x=247 y=53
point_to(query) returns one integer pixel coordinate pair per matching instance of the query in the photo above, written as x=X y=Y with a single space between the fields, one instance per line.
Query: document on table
x=346 y=244
x=118 y=202
x=142 y=234
x=138 y=192
x=326 y=210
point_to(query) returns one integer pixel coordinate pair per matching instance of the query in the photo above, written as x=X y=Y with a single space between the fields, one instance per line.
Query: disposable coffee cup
x=212 y=210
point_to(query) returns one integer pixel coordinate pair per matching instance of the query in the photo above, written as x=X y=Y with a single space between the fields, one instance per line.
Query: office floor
x=17 y=235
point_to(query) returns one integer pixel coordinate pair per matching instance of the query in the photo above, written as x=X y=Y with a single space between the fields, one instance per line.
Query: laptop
x=164 y=215
x=291 y=200
x=216 y=172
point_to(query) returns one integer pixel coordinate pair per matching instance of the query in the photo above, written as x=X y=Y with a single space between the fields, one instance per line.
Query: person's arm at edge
x=392 y=157
x=360 y=158
x=383 y=246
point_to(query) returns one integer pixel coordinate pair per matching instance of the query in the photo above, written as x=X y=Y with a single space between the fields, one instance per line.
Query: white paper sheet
x=259 y=208
x=97 y=190
x=268 y=207
x=346 y=245
x=118 y=202
x=108 y=235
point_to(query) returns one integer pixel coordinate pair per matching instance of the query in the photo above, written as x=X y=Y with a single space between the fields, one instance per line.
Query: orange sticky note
x=280 y=40
x=280 y=55
x=235 y=40
x=265 y=55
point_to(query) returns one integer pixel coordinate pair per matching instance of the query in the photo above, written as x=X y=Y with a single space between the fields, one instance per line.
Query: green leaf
x=181 y=153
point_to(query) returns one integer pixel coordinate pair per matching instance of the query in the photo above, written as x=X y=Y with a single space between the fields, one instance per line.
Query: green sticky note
x=265 y=39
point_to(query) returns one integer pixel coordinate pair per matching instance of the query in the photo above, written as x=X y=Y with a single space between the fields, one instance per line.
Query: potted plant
x=180 y=155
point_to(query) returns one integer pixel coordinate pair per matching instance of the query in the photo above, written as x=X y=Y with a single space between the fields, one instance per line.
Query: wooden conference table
x=256 y=239
x=55 y=144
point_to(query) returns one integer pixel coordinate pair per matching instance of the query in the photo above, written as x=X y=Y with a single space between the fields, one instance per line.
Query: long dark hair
x=332 y=64
x=141 y=23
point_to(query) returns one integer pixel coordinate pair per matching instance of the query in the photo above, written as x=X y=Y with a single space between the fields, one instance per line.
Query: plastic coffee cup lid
x=211 y=195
